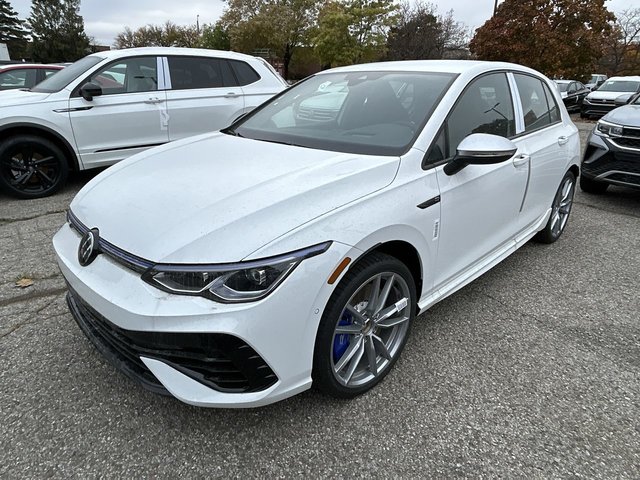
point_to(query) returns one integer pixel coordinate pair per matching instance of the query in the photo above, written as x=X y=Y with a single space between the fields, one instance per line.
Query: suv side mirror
x=90 y=90
x=480 y=149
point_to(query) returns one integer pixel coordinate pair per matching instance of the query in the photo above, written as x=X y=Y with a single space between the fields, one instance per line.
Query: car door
x=203 y=95
x=480 y=204
x=129 y=116
x=545 y=139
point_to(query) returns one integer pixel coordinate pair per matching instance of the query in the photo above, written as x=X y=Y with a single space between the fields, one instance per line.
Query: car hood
x=10 y=98
x=627 y=115
x=218 y=198
x=605 y=95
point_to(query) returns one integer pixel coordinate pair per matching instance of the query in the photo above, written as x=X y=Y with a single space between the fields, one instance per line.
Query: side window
x=438 y=150
x=129 y=75
x=554 y=112
x=18 y=78
x=48 y=73
x=200 y=72
x=484 y=107
x=244 y=73
x=538 y=104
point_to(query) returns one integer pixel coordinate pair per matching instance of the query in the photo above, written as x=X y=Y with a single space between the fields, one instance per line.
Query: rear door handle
x=521 y=160
x=232 y=94
x=562 y=140
x=153 y=100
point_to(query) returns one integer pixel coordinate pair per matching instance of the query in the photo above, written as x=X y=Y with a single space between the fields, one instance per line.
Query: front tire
x=560 y=210
x=364 y=327
x=592 y=186
x=31 y=167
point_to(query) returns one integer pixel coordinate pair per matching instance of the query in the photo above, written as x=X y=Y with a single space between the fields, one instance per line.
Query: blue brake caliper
x=341 y=341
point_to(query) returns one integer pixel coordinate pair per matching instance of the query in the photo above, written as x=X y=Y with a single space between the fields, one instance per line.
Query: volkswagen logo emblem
x=88 y=250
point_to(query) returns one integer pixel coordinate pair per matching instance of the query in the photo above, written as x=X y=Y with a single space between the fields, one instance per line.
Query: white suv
x=111 y=105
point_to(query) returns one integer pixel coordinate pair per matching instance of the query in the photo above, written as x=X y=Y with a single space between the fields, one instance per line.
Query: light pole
x=198 y=24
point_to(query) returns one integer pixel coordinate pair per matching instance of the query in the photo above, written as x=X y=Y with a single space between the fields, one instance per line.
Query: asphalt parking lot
x=533 y=370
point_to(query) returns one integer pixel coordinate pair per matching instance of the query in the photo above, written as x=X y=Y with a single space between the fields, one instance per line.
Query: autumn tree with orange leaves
x=560 y=38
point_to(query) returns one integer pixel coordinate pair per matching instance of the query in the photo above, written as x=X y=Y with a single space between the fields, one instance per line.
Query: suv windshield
x=64 y=77
x=619 y=86
x=371 y=113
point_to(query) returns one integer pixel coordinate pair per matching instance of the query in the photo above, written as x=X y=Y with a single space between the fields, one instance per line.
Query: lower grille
x=624 y=178
x=627 y=142
x=220 y=361
x=619 y=161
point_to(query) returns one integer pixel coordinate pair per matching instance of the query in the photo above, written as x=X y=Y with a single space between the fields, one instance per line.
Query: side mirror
x=90 y=90
x=480 y=149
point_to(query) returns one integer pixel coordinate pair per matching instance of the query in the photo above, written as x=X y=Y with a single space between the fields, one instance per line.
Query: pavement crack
x=49 y=292
x=19 y=325
x=9 y=221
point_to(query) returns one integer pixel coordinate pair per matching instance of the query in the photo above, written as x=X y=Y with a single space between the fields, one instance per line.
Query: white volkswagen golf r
x=237 y=268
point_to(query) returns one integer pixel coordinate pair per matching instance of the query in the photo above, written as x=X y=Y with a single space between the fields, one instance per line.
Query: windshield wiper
x=231 y=131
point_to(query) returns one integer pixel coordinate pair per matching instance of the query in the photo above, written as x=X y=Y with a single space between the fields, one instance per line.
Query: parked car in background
x=603 y=100
x=21 y=75
x=612 y=156
x=236 y=268
x=595 y=81
x=572 y=93
x=110 y=105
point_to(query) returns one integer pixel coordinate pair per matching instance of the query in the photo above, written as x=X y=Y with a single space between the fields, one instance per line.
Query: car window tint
x=48 y=73
x=438 y=150
x=244 y=72
x=484 y=107
x=552 y=105
x=200 y=72
x=18 y=78
x=131 y=75
x=534 y=103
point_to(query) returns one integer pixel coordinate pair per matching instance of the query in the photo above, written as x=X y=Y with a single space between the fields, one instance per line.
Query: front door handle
x=562 y=140
x=521 y=160
x=232 y=94
x=153 y=100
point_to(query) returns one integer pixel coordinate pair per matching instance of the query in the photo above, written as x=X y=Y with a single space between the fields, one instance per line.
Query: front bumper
x=612 y=160
x=596 y=108
x=202 y=352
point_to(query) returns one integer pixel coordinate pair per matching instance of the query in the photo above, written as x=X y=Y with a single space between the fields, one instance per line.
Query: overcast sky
x=104 y=19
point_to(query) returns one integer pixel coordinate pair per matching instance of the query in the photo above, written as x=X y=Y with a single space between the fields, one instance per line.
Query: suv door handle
x=521 y=160
x=562 y=140
x=232 y=94
x=153 y=100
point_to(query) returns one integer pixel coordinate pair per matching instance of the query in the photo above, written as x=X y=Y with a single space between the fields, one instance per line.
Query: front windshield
x=562 y=86
x=64 y=77
x=376 y=113
x=619 y=86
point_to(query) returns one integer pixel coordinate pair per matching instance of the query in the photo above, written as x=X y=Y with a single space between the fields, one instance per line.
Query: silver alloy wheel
x=562 y=206
x=373 y=324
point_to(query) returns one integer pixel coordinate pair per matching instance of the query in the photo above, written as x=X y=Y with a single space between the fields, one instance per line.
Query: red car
x=22 y=75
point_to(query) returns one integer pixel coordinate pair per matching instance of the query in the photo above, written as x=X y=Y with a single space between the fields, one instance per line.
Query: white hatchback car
x=236 y=268
x=111 y=105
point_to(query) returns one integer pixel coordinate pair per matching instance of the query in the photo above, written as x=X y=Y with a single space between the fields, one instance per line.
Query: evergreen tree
x=12 y=30
x=57 y=31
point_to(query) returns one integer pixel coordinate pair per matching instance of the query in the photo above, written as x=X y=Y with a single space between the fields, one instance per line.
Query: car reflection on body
x=235 y=268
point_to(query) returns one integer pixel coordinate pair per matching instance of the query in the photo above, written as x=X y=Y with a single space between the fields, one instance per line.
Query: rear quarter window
x=244 y=72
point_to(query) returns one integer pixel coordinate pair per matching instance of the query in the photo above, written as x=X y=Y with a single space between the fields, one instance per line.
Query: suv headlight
x=607 y=129
x=232 y=282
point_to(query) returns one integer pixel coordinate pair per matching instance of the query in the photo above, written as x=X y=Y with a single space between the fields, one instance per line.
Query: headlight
x=230 y=283
x=608 y=129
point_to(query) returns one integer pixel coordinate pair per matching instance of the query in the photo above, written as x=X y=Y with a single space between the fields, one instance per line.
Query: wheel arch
x=13 y=129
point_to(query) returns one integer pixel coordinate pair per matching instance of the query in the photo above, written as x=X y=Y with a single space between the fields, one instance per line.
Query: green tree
x=561 y=38
x=215 y=37
x=57 y=31
x=167 y=35
x=354 y=31
x=280 y=26
x=12 y=30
